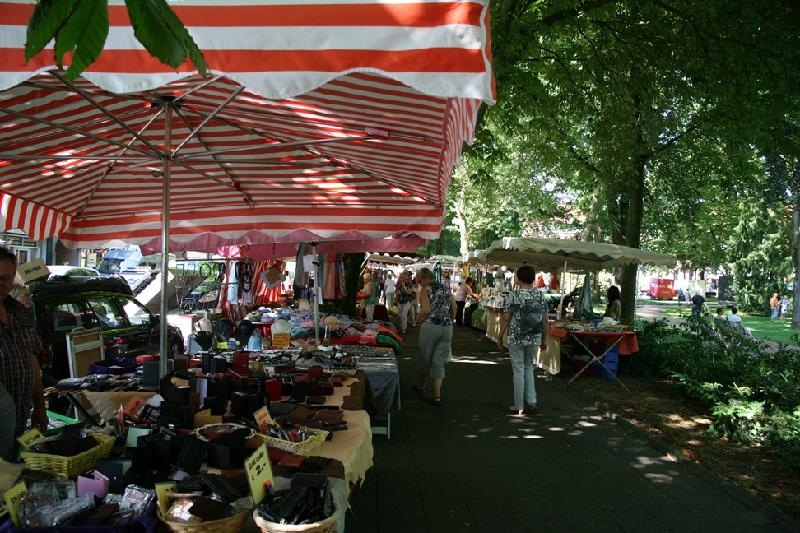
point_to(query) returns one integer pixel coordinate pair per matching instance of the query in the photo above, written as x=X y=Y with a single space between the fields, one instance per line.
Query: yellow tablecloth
x=549 y=360
x=352 y=447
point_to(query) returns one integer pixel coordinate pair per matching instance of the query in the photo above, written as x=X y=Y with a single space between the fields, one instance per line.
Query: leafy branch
x=80 y=28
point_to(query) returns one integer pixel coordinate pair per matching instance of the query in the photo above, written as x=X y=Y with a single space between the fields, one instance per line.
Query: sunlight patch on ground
x=472 y=360
x=556 y=428
x=659 y=478
x=678 y=422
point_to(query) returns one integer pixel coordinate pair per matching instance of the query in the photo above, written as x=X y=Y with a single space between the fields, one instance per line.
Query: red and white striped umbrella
x=324 y=121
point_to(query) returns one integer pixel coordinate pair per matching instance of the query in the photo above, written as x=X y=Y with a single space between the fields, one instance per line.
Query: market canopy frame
x=319 y=122
x=557 y=255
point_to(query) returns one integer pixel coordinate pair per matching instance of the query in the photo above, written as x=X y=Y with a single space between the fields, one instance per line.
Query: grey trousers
x=434 y=345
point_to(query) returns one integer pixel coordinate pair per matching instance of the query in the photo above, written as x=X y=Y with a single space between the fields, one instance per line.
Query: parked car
x=66 y=305
x=71 y=272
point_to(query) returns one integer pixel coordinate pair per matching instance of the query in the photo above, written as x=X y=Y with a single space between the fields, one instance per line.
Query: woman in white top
x=464 y=291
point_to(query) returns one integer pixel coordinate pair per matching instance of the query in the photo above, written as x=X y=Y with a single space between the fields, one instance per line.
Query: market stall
x=563 y=256
x=353 y=139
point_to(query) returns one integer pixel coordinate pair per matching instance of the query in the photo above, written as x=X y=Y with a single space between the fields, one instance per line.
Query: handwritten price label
x=162 y=494
x=29 y=438
x=263 y=419
x=259 y=473
x=13 y=496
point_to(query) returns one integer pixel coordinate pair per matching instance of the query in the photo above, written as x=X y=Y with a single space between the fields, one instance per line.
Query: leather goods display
x=273 y=388
x=193 y=454
x=315 y=400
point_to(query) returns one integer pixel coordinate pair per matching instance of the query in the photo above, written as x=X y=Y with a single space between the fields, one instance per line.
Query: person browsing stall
x=437 y=309
x=20 y=376
x=525 y=319
x=389 y=288
x=405 y=298
x=372 y=290
x=614 y=307
x=463 y=293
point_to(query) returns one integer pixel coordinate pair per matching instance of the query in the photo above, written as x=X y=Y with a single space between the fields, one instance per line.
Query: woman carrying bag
x=525 y=319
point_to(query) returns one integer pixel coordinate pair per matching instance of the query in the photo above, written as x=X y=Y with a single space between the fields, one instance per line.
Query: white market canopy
x=322 y=121
x=552 y=254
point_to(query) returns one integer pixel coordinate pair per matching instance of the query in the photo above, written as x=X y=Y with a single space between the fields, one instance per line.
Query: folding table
x=626 y=340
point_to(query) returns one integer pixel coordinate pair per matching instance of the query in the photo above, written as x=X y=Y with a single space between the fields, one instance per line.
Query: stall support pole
x=563 y=282
x=316 y=292
x=167 y=160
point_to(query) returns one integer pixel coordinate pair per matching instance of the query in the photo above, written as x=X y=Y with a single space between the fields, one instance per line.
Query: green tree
x=626 y=99
x=80 y=27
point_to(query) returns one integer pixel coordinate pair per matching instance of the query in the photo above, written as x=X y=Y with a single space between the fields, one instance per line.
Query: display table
x=492 y=315
x=549 y=360
x=626 y=340
x=380 y=369
x=106 y=404
x=352 y=447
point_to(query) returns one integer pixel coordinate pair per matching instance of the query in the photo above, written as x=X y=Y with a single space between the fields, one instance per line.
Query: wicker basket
x=70 y=466
x=297 y=448
x=232 y=524
x=326 y=526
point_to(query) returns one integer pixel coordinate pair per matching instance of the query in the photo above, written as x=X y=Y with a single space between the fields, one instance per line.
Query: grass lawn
x=761 y=326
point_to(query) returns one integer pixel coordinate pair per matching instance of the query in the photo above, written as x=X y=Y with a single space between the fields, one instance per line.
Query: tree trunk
x=460 y=220
x=796 y=262
x=635 y=204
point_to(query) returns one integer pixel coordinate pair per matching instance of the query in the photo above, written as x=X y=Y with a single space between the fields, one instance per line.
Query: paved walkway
x=467 y=466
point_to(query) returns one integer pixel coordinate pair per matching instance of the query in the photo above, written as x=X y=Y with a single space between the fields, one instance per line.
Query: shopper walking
x=405 y=298
x=525 y=320
x=463 y=293
x=437 y=309
x=372 y=290
x=415 y=303
x=784 y=307
x=389 y=287
x=774 y=306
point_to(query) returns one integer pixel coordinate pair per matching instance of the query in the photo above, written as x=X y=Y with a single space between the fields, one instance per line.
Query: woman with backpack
x=437 y=309
x=525 y=319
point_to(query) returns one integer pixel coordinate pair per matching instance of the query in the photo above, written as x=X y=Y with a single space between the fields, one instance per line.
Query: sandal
x=437 y=401
x=531 y=408
x=515 y=412
x=417 y=389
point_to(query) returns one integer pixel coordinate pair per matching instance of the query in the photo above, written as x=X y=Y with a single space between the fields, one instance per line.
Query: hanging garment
x=272 y=280
x=299 y=265
x=233 y=285
x=330 y=277
x=342 y=290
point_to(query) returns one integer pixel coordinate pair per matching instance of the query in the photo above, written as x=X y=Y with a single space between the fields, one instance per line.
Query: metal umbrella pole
x=163 y=326
x=316 y=291
x=563 y=282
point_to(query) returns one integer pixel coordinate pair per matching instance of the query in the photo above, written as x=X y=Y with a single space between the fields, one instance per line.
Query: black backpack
x=531 y=318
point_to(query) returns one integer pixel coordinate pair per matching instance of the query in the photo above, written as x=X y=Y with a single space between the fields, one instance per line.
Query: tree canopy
x=651 y=118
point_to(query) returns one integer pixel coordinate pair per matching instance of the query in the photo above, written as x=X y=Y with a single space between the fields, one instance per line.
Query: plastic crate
x=611 y=360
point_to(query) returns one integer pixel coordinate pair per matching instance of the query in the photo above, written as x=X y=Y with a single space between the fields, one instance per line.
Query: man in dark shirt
x=20 y=377
x=697 y=304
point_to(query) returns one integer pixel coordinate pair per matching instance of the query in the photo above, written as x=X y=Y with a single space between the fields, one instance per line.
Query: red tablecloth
x=628 y=345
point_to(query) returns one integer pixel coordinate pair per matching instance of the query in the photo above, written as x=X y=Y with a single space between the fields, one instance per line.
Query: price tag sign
x=259 y=473
x=162 y=494
x=29 y=438
x=263 y=419
x=281 y=340
x=13 y=496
